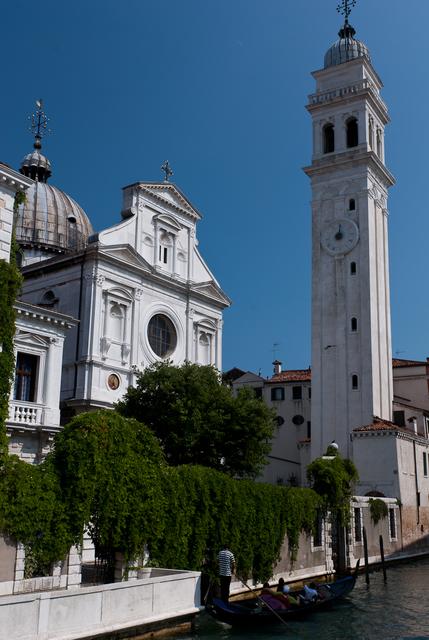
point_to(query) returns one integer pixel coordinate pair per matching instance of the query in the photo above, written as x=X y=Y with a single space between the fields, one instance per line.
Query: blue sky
x=218 y=88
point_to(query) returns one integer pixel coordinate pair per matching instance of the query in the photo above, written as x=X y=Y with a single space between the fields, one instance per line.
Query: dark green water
x=398 y=610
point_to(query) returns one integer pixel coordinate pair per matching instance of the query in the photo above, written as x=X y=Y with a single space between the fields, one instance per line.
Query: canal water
x=397 y=610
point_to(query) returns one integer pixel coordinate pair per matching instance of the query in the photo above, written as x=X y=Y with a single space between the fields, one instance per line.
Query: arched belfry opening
x=352 y=137
x=328 y=138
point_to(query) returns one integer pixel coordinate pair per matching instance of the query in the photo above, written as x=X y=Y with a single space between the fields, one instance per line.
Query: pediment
x=31 y=338
x=125 y=253
x=211 y=290
x=171 y=196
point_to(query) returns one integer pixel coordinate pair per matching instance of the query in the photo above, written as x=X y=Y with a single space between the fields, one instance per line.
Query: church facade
x=120 y=300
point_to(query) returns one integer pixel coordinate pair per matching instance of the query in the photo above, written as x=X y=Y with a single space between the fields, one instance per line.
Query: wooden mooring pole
x=365 y=550
x=383 y=566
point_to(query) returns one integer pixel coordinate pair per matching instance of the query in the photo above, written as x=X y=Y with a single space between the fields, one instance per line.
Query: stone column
x=74 y=571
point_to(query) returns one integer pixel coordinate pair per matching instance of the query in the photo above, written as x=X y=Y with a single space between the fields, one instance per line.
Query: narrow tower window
x=353 y=268
x=328 y=138
x=379 y=150
x=352 y=204
x=371 y=132
x=354 y=324
x=352 y=138
x=355 y=382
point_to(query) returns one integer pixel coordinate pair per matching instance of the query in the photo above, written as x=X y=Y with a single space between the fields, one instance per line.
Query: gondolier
x=226 y=569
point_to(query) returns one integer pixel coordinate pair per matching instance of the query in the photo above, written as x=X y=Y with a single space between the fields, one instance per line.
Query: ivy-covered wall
x=108 y=472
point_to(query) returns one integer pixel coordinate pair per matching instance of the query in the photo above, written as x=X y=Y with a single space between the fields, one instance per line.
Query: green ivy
x=378 y=510
x=333 y=478
x=108 y=473
x=10 y=283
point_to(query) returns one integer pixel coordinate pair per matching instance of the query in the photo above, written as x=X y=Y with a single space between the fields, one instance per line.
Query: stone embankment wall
x=136 y=605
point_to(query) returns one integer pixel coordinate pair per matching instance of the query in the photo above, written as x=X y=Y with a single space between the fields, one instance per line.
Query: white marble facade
x=141 y=292
x=34 y=414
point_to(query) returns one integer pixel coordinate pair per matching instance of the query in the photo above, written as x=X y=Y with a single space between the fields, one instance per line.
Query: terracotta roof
x=384 y=425
x=293 y=375
x=399 y=362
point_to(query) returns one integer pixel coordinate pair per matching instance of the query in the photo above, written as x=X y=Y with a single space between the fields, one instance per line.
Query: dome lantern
x=49 y=221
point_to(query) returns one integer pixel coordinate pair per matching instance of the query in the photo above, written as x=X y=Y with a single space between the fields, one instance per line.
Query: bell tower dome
x=351 y=335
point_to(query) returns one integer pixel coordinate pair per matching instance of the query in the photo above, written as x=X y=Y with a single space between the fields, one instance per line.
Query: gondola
x=254 y=611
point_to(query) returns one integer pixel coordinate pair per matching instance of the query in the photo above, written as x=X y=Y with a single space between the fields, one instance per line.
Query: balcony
x=25 y=413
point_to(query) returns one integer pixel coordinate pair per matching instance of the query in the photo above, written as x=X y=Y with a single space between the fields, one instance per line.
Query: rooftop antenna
x=39 y=124
x=165 y=167
x=275 y=349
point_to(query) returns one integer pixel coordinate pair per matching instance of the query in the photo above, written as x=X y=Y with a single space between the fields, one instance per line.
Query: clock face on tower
x=339 y=236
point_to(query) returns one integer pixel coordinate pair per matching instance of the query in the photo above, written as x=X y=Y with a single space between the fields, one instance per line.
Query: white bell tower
x=351 y=336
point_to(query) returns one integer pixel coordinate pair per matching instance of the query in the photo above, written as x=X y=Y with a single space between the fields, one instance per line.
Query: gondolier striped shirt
x=226 y=562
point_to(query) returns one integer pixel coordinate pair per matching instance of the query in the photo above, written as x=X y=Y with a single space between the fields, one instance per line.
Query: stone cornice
x=401 y=435
x=26 y=310
x=327 y=164
x=14 y=180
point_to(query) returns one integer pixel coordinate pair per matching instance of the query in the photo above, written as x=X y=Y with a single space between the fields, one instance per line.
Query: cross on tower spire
x=39 y=124
x=345 y=8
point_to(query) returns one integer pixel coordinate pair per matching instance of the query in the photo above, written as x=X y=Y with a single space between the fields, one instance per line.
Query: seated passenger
x=310 y=593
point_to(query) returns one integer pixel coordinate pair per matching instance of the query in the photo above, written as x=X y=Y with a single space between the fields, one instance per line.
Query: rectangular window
x=165 y=255
x=277 y=393
x=426 y=427
x=399 y=418
x=392 y=524
x=309 y=429
x=258 y=392
x=296 y=393
x=309 y=393
x=25 y=377
x=425 y=463
x=358 y=524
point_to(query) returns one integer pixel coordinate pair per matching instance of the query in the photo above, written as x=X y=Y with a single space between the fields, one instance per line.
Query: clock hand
x=339 y=233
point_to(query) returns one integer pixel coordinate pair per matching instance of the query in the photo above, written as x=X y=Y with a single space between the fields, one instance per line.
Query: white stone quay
x=92 y=611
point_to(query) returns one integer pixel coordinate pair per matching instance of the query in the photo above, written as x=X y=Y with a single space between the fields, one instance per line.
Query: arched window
x=352 y=204
x=352 y=138
x=355 y=382
x=328 y=138
x=353 y=268
x=354 y=324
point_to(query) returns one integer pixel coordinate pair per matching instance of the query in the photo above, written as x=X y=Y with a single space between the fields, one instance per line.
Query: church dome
x=345 y=48
x=49 y=220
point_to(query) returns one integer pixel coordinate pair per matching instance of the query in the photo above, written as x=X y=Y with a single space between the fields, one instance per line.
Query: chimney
x=277 y=367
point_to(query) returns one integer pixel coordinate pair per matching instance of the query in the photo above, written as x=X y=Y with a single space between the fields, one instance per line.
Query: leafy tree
x=332 y=477
x=110 y=471
x=199 y=421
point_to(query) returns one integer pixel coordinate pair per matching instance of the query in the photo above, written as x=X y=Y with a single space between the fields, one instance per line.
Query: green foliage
x=206 y=508
x=199 y=421
x=333 y=479
x=110 y=474
x=9 y=285
x=378 y=510
x=32 y=510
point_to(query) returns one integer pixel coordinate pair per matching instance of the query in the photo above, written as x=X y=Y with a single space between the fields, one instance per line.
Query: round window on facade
x=162 y=335
x=298 y=420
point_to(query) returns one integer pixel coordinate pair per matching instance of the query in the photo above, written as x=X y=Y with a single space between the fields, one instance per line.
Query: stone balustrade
x=25 y=413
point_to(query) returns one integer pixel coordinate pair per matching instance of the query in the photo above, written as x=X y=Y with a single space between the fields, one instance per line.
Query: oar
x=263 y=602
